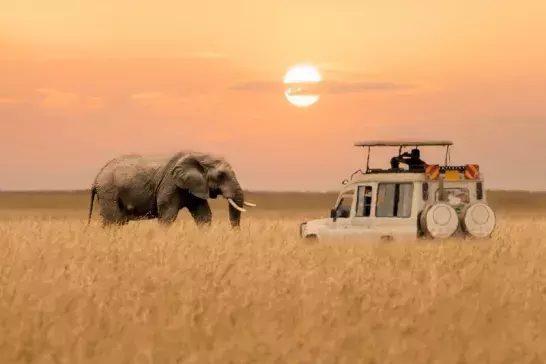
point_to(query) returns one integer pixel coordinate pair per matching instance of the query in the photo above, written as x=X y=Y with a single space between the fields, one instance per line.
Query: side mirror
x=333 y=214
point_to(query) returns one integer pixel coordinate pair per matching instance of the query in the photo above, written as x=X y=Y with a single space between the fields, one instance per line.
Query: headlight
x=302 y=226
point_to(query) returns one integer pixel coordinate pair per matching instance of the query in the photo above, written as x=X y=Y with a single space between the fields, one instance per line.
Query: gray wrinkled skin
x=136 y=187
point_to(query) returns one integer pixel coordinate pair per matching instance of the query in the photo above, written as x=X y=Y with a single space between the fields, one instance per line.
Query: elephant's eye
x=222 y=175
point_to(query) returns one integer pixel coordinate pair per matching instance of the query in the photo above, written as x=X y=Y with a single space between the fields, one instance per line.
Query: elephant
x=139 y=187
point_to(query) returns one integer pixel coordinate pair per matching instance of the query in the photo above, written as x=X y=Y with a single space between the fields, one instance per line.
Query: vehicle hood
x=314 y=226
x=319 y=222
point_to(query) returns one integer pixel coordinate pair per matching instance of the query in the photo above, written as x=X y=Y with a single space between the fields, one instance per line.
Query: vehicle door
x=361 y=223
x=354 y=216
x=396 y=210
x=345 y=206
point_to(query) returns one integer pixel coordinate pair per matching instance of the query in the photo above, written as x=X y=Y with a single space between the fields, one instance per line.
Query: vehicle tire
x=311 y=238
x=439 y=220
x=420 y=232
x=478 y=220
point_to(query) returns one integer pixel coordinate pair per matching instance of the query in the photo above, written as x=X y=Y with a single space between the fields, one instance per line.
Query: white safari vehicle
x=436 y=201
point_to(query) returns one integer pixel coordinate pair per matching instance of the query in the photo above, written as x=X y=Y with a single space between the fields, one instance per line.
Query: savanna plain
x=72 y=293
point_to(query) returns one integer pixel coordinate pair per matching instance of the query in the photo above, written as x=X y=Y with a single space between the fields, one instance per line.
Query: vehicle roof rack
x=403 y=143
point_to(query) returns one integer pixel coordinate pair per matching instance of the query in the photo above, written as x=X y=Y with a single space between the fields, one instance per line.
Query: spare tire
x=478 y=220
x=439 y=220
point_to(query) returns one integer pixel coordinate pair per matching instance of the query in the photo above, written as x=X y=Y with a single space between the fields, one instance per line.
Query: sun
x=301 y=74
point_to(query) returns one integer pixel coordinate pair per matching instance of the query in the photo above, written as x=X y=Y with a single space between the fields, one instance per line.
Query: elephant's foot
x=166 y=222
x=203 y=220
x=115 y=223
x=203 y=224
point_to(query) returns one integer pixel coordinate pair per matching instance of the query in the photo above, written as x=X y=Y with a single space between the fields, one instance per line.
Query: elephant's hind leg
x=113 y=223
x=111 y=213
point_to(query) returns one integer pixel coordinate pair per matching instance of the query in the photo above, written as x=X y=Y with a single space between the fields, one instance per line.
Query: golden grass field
x=142 y=294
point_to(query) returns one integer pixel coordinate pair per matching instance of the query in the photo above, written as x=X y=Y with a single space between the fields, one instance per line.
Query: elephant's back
x=129 y=169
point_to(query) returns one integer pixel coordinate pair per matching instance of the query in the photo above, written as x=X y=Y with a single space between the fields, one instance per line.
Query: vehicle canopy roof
x=403 y=143
x=377 y=174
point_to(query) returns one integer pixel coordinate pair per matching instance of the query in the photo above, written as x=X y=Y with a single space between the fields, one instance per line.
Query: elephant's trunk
x=234 y=213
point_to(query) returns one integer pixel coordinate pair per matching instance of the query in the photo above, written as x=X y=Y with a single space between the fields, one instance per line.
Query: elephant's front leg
x=167 y=208
x=200 y=211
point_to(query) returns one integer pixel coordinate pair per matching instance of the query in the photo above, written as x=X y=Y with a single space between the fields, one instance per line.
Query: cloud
x=339 y=70
x=263 y=86
x=164 y=104
x=204 y=55
x=165 y=100
x=349 y=87
x=336 y=76
x=148 y=56
x=201 y=55
x=68 y=101
x=158 y=99
x=62 y=56
x=324 y=87
x=8 y=101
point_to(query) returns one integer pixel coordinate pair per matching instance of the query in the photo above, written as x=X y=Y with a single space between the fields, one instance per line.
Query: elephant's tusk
x=232 y=203
x=249 y=204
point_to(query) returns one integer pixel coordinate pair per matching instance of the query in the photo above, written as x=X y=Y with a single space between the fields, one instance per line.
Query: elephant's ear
x=189 y=174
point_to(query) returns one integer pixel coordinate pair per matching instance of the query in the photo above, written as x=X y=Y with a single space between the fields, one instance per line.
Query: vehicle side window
x=344 y=208
x=364 y=201
x=394 y=200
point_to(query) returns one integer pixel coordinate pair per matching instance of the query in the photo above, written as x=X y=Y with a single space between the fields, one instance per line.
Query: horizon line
x=245 y=190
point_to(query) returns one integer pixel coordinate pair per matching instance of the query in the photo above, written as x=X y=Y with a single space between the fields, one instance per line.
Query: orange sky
x=83 y=81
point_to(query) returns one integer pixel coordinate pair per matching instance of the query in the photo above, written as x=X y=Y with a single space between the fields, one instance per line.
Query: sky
x=84 y=81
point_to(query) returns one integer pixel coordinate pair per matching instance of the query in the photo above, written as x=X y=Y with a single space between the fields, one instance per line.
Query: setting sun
x=302 y=74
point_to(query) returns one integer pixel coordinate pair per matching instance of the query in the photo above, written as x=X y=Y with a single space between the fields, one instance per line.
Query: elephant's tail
x=93 y=193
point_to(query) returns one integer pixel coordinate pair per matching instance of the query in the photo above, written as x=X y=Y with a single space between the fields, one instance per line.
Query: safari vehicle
x=436 y=202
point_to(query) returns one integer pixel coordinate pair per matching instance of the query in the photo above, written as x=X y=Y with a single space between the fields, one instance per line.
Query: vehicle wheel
x=439 y=220
x=420 y=232
x=478 y=220
x=311 y=238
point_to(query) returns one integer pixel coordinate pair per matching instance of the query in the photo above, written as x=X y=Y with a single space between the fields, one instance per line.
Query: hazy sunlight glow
x=298 y=74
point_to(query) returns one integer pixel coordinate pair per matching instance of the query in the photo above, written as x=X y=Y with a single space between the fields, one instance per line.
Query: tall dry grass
x=142 y=294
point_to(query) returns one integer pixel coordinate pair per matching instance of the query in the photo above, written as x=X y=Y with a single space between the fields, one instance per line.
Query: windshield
x=345 y=202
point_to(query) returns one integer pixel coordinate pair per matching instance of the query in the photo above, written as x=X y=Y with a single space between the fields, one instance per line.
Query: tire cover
x=439 y=220
x=478 y=220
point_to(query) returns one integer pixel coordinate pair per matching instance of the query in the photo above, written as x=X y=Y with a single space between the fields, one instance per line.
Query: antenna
x=368 y=159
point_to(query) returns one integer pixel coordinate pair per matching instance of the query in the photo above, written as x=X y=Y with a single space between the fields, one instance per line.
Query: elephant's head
x=206 y=176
